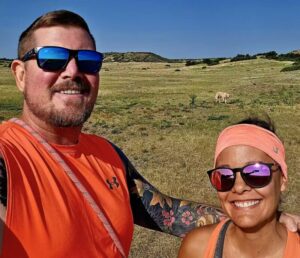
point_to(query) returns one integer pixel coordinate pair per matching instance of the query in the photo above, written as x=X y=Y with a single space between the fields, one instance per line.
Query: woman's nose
x=240 y=185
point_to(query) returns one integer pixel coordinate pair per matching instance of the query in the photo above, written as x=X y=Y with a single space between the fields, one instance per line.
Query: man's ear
x=18 y=70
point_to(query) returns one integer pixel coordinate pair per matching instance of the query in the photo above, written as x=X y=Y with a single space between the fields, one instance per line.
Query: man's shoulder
x=4 y=126
x=9 y=130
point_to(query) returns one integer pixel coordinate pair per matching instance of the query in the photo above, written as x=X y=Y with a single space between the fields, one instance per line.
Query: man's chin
x=67 y=121
x=61 y=117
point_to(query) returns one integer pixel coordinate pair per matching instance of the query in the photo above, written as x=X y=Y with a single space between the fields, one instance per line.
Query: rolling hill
x=134 y=57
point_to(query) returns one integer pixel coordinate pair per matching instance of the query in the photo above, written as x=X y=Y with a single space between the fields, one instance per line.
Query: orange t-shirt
x=46 y=215
x=292 y=248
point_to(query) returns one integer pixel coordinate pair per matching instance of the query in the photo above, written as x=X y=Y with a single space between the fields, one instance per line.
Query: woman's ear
x=283 y=183
x=18 y=70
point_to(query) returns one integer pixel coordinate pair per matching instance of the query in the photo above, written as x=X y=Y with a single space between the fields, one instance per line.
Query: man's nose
x=71 y=70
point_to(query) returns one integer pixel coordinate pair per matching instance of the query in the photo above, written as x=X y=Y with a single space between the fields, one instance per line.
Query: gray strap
x=77 y=183
x=220 y=241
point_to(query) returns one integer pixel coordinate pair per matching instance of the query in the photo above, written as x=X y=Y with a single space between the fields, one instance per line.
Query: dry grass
x=166 y=121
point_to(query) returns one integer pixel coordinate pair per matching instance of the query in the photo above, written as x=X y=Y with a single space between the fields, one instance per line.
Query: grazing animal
x=221 y=97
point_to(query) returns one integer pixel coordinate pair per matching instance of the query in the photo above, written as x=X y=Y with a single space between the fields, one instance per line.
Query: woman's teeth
x=245 y=204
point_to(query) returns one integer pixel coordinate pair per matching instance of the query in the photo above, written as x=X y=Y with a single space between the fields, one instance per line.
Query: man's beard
x=70 y=116
x=65 y=119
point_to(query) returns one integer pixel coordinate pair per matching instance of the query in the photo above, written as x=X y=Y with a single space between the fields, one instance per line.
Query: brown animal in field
x=221 y=97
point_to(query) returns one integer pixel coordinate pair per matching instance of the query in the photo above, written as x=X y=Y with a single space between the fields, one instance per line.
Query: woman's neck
x=267 y=241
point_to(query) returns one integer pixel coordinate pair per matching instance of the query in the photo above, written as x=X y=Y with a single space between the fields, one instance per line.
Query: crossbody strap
x=76 y=182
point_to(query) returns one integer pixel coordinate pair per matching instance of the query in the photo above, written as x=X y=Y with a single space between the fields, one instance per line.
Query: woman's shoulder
x=195 y=242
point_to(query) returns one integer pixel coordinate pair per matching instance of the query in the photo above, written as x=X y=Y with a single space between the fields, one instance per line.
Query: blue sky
x=170 y=28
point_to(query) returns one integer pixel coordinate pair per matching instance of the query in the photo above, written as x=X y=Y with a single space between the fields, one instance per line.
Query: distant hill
x=134 y=57
x=152 y=57
x=4 y=62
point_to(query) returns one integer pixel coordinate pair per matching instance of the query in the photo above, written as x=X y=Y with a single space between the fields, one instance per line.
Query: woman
x=250 y=174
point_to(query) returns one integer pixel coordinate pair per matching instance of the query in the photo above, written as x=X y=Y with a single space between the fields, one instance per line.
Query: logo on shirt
x=113 y=183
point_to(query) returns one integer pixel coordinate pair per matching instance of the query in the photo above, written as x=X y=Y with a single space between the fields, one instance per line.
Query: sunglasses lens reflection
x=52 y=59
x=255 y=175
x=89 y=61
x=57 y=58
x=223 y=179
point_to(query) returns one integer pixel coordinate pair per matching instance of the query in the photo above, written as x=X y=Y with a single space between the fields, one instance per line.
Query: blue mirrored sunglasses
x=52 y=58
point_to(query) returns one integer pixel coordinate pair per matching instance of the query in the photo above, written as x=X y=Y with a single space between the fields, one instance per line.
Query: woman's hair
x=50 y=19
x=266 y=123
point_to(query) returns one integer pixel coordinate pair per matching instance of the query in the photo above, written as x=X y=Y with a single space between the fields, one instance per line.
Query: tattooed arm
x=154 y=210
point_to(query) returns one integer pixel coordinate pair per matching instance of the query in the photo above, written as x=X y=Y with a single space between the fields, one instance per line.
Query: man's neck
x=52 y=134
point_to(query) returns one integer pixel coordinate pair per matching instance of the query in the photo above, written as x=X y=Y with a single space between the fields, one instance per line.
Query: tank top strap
x=220 y=241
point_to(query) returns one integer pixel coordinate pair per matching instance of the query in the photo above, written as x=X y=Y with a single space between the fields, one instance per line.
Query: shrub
x=289 y=57
x=211 y=61
x=271 y=55
x=193 y=100
x=268 y=55
x=192 y=62
x=295 y=66
x=240 y=57
x=165 y=124
x=217 y=118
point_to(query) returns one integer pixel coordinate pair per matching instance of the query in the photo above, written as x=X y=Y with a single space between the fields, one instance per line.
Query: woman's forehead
x=240 y=155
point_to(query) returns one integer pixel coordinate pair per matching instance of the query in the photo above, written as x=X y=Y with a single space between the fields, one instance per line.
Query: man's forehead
x=68 y=36
x=59 y=29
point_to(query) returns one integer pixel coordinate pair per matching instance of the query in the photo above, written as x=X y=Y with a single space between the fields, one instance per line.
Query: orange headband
x=254 y=136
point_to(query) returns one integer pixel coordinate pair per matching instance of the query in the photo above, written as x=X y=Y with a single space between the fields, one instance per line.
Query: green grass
x=166 y=121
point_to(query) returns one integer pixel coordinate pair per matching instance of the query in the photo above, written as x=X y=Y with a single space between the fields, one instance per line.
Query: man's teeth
x=70 y=92
x=245 y=204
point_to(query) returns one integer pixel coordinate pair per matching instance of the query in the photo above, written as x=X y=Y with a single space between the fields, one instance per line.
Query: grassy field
x=164 y=118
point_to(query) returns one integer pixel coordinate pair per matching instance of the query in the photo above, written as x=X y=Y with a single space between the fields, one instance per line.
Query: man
x=65 y=193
